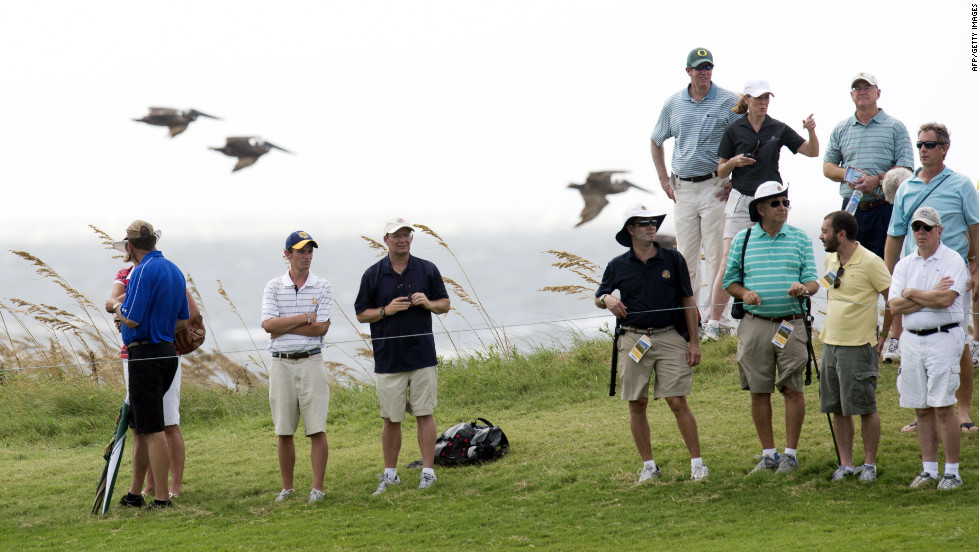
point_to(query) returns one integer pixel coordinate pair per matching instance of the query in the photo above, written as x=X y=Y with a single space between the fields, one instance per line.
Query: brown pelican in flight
x=594 y=191
x=247 y=149
x=175 y=120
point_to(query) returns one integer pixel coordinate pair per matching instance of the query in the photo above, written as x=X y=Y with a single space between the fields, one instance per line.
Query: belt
x=648 y=331
x=777 y=318
x=930 y=331
x=701 y=178
x=296 y=356
x=139 y=343
x=869 y=205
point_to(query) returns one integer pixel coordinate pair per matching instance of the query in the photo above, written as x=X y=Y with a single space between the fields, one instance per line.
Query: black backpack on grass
x=471 y=444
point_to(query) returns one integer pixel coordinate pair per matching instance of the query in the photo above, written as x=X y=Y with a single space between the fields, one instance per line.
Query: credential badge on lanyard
x=640 y=349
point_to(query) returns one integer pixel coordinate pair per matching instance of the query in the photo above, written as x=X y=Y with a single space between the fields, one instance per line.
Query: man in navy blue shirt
x=154 y=309
x=659 y=329
x=398 y=295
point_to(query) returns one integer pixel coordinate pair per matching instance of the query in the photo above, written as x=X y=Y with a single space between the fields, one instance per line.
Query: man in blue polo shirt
x=777 y=269
x=658 y=332
x=398 y=296
x=873 y=142
x=696 y=118
x=155 y=307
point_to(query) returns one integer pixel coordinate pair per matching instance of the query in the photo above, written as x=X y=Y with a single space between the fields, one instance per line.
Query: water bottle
x=852 y=204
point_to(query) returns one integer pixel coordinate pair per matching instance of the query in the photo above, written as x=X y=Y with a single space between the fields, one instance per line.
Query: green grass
x=567 y=484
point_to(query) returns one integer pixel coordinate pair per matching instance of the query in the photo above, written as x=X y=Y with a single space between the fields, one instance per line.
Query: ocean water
x=502 y=270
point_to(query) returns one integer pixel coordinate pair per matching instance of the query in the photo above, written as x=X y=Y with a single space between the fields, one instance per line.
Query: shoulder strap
x=923 y=198
x=741 y=265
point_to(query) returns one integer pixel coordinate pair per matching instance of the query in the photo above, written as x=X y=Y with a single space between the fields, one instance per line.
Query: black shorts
x=151 y=371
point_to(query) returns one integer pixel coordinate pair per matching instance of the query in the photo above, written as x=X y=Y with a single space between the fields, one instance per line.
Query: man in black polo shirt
x=398 y=295
x=658 y=317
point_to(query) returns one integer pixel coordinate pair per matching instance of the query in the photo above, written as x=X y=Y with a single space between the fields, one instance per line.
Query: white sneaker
x=284 y=494
x=385 y=483
x=316 y=496
x=974 y=349
x=426 y=480
x=842 y=472
x=699 y=473
x=891 y=350
x=648 y=473
x=711 y=333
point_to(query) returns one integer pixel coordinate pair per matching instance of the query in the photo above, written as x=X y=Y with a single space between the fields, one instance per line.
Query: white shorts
x=171 y=399
x=929 y=374
x=737 y=214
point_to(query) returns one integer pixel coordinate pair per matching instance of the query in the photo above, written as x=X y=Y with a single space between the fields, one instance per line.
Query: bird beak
x=200 y=114
x=271 y=145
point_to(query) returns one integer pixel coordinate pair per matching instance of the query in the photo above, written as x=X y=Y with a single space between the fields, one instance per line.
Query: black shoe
x=132 y=501
x=160 y=504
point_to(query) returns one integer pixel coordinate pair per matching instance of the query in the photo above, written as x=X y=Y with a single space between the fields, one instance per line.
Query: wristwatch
x=382 y=312
x=602 y=300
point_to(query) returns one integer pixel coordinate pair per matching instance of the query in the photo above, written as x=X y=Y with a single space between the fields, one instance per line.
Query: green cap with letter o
x=699 y=56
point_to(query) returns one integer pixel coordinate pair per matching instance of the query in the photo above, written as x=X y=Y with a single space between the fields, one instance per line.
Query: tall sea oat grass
x=583 y=268
x=223 y=293
x=460 y=292
x=84 y=303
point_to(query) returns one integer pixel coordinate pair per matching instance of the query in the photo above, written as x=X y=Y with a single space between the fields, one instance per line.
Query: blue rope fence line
x=200 y=353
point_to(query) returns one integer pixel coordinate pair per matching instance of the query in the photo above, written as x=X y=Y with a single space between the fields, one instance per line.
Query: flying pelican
x=595 y=189
x=176 y=120
x=247 y=149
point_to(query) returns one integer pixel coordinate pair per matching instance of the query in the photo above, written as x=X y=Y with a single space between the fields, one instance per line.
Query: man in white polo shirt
x=927 y=291
x=296 y=314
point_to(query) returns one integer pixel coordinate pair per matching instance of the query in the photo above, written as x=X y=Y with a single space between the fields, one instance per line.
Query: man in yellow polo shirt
x=849 y=368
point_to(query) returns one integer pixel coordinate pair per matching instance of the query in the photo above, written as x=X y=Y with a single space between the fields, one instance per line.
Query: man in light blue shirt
x=874 y=143
x=696 y=118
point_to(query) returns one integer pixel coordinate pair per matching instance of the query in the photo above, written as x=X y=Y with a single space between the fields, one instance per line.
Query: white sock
x=430 y=471
x=391 y=473
x=789 y=452
x=769 y=453
x=932 y=468
x=951 y=469
x=650 y=464
x=696 y=462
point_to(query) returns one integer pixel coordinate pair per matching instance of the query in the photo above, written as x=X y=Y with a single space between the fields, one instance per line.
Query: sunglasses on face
x=704 y=67
x=776 y=202
x=645 y=223
x=840 y=273
x=916 y=226
x=929 y=145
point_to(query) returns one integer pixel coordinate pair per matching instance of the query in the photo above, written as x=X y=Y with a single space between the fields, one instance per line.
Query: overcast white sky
x=464 y=115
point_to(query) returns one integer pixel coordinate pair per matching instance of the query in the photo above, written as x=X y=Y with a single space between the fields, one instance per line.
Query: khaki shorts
x=929 y=374
x=764 y=367
x=666 y=357
x=848 y=380
x=299 y=387
x=413 y=392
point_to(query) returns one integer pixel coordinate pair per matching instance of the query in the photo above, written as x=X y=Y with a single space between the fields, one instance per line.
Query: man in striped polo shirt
x=296 y=314
x=696 y=118
x=875 y=143
x=778 y=268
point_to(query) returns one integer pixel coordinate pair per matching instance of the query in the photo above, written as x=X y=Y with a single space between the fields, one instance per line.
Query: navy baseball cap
x=298 y=240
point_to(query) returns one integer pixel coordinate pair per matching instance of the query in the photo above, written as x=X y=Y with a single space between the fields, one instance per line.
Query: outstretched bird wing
x=594 y=203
